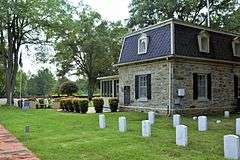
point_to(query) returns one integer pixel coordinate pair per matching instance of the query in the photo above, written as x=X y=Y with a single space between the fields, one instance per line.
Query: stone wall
x=159 y=71
x=222 y=86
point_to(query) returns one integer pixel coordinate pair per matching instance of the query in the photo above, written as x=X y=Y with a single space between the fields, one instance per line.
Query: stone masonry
x=159 y=85
x=222 y=77
x=167 y=76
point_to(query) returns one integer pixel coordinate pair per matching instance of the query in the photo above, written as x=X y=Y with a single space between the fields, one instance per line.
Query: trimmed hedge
x=98 y=104
x=83 y=106
x=113 y=103
x=74 y=105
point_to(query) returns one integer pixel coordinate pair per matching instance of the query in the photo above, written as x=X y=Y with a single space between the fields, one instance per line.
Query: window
x=142 y=44
x=107 y=88
x=143 y=86
x=203 y=42
x=236 y=46
x=116 y=88
x=202 y=86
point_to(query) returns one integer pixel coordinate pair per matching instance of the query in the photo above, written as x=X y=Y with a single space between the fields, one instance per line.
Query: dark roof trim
x=175 y=21
x=177 y=56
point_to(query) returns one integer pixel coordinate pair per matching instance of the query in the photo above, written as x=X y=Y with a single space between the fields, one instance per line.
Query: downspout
x=171 y=68
x=170 y=90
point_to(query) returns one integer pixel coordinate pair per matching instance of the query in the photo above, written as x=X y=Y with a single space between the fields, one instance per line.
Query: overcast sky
x=112 y=10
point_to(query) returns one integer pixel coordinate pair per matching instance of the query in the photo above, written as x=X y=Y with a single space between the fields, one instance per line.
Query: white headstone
x=146 y=128
x=231 y=147
x=181 y=135
x=102 y=123
x=176 y=120
x=194 y=118
x=202 y=123
x=238 y=126
x=122 y=124
x=226 y=114
x=151 y=117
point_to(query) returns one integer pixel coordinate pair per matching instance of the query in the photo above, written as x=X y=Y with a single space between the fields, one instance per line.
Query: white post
x=122 y=124
x=226 y=114
x=151 y=117
x=181 y=135
x=238 y=126
x=202 y=123
x=102 y=123
x=231 y=147
x=176 y=120
x=146 y=128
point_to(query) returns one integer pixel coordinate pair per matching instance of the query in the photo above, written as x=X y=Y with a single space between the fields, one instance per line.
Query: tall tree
x=147 y=12
x=24 y=22
x=41 y=84
x=90 y=45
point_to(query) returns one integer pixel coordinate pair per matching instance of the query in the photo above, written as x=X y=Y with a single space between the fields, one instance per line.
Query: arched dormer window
x=143 y=44
x=204 y=42
x=236 y=46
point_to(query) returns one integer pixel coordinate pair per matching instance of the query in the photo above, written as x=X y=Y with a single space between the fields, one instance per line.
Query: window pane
x=237 y=47
x=143 y=86
x=202 y=86
x=204 y=43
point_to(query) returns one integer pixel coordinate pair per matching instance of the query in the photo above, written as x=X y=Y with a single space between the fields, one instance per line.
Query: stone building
x=175 y=66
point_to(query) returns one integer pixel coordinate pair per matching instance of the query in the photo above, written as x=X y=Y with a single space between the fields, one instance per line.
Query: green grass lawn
x=69 y=136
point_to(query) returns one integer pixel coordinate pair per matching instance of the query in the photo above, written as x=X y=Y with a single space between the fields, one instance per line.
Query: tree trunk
x=91 y=87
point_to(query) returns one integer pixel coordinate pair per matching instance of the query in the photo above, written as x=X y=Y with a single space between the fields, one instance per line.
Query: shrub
x=83 y=106
x=98 y=104
x=69 y=105
x=113 y=103
x=68 y=88
x=76 y=104
x=62 y=104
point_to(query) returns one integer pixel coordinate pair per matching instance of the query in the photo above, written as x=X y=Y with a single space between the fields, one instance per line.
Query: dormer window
x=236 y=46
x=203 y=42
x=142 y=44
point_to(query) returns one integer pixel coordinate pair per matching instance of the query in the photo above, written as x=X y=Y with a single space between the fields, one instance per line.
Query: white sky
x=112 y=10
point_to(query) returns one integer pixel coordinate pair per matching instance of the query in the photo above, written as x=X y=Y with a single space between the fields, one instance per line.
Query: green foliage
x=113 y=103
x=76 y=104
x=84 y=106
x=144 y=12
x=41 y=84
x=25 y=23
x=83 y=87
x=98 y=104
x=21 y=79
x=92 y=44
x=69 y=88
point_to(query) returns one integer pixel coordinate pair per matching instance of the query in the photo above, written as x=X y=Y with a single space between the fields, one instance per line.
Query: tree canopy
x=25 y=22
x=90 y=46
x=148 y=12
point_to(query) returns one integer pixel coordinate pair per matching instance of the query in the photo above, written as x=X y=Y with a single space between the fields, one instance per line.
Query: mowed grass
x=70 y=136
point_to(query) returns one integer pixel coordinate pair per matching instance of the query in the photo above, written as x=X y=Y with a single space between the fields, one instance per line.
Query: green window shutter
x=195 y=86
x=136 y=87
x=209 y=86
x=236 y=86
x=149 y=88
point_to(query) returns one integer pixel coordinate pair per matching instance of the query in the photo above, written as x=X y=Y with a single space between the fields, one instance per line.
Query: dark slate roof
x=159 y=45
x=186 y=44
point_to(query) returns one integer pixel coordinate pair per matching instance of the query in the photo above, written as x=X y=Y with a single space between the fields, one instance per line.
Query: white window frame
x=140 y=86
x=145 y=39
x=206 y=87
x=204 y=34
x=236 y=41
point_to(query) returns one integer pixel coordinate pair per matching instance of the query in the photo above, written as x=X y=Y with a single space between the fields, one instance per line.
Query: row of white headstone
x=231 y=142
